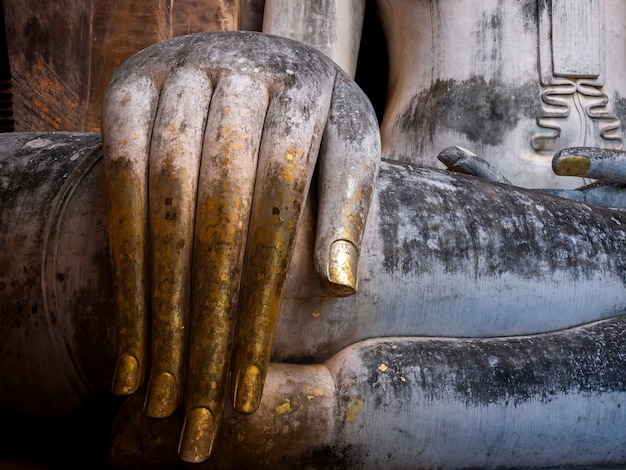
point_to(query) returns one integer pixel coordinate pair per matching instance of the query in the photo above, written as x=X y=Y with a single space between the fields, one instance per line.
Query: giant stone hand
x=210 y=145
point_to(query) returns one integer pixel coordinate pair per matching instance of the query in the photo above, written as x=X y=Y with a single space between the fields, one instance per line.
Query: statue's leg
x=452 y=255
x=443 y=255
x=443 y=252
x=551 y=400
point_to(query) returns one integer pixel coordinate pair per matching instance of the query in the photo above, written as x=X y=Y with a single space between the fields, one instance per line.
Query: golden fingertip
x=161 y=396
x=572 y=165
x=248 y=389
x=126 y=379
x=342 y=269
x=197 y=436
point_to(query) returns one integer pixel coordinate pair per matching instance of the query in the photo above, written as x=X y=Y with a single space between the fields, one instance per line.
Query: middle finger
x=227 y=177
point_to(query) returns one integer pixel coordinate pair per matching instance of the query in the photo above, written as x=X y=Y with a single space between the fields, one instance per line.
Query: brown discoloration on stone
x=63 y=53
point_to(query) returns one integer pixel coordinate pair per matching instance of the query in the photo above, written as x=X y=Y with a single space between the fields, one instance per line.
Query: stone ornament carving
x=576 y=109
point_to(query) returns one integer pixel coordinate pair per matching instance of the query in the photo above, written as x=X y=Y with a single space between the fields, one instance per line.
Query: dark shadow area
x=6 y=103
x=372 y=73
x=78 y=441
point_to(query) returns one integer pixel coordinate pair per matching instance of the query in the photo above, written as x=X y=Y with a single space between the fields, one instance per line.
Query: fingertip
x=197 y=436
x=127 y=377
x=248 y=389
x=161 y=397
x=571 y=165
x=341 y=279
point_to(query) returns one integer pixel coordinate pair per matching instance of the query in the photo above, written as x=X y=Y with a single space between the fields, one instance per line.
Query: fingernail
x=248 y=390
x=343 y=268
x=126 y=378
x=572 y=165
x=161 y=396
x=197 y=436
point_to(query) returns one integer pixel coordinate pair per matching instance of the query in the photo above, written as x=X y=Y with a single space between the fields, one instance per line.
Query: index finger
x=287 y=157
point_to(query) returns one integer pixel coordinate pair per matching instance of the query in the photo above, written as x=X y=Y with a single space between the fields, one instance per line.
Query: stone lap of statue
x=537 y=263
x=510 y=263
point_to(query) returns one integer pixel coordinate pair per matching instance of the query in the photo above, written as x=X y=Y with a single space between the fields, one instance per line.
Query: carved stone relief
x=575 y=108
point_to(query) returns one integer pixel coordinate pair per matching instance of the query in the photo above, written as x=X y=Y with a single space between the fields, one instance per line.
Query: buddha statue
x=379 y=311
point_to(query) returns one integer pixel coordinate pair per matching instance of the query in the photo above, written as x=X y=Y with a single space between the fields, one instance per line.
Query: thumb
x=348 y=166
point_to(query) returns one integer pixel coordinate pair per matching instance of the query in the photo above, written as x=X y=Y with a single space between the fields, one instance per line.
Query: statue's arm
x=332 y=27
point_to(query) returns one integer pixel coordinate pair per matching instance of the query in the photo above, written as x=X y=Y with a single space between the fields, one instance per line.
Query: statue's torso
x=513 y=81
